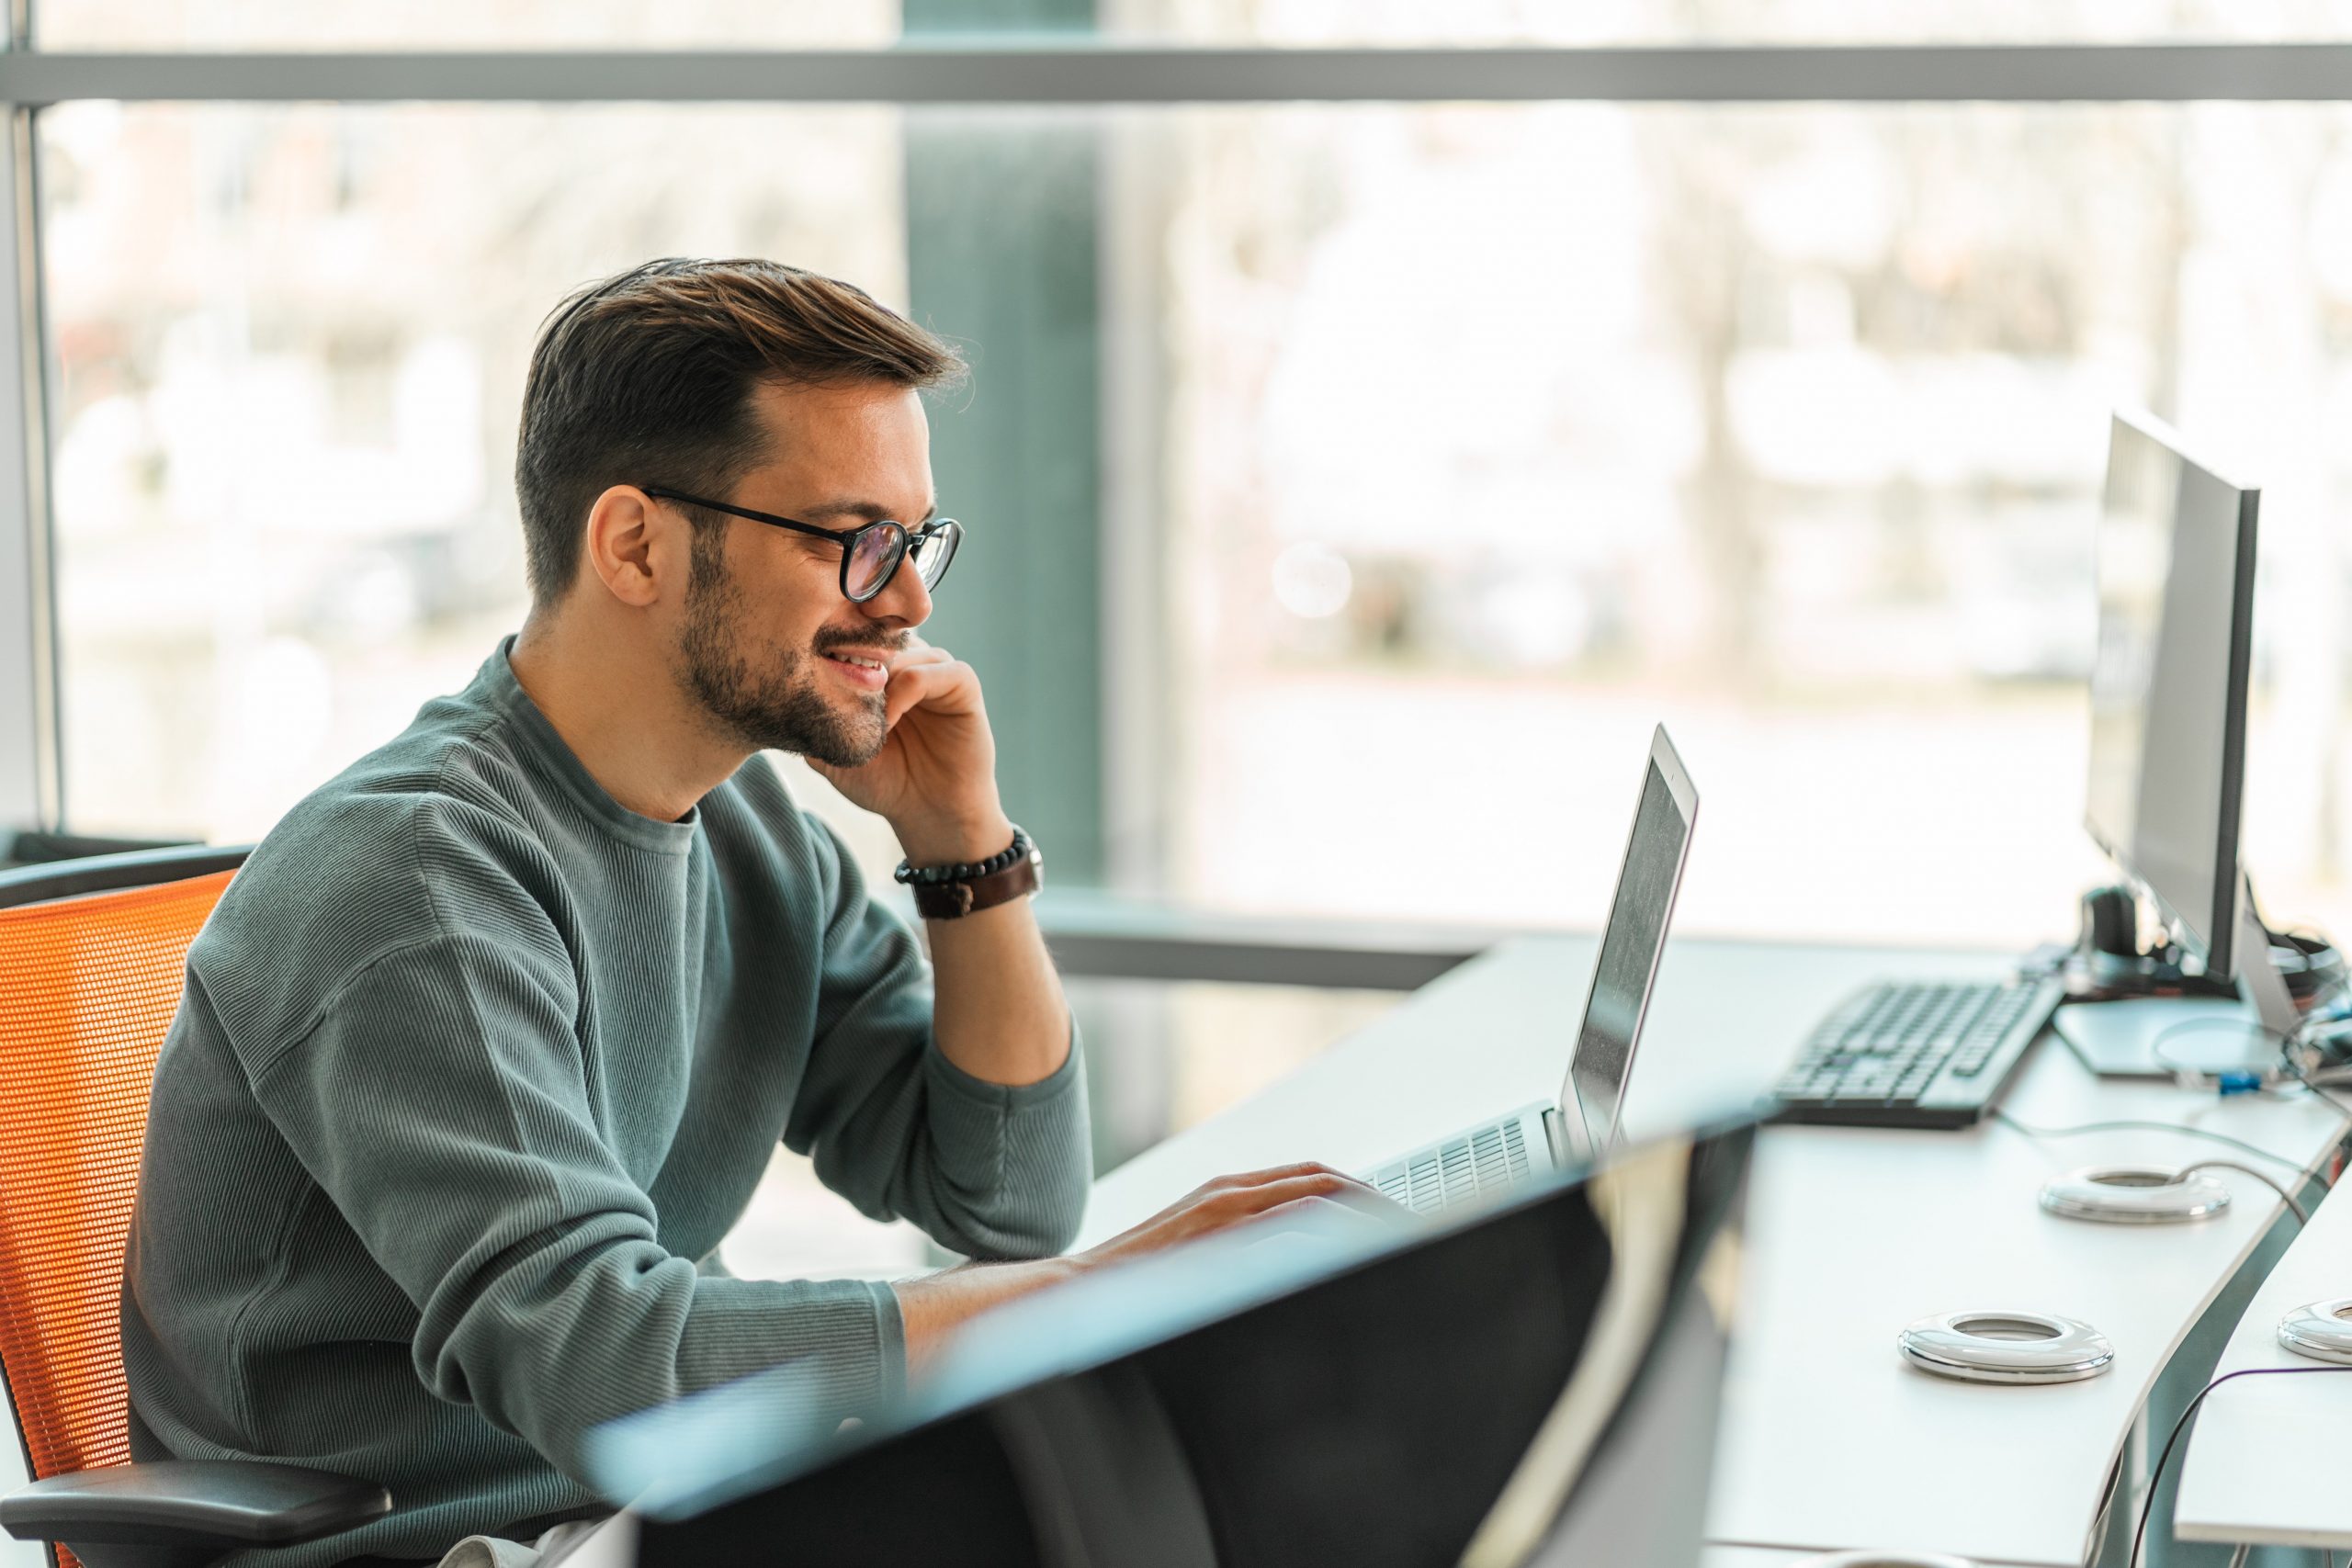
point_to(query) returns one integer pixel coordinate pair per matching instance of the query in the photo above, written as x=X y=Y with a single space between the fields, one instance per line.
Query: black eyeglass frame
x=908 y=542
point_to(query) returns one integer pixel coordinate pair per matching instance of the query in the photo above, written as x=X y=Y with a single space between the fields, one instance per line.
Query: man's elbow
x=1036 y=1217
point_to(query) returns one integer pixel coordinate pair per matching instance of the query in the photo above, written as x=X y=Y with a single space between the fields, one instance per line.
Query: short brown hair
x=648 y=378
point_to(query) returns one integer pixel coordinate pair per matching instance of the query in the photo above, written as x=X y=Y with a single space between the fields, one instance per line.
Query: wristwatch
x=951 y=892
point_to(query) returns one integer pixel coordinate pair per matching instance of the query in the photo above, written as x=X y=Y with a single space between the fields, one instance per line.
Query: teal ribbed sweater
x=476 y=1066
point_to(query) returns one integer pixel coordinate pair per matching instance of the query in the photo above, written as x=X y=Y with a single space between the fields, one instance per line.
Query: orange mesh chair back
x=87 y=988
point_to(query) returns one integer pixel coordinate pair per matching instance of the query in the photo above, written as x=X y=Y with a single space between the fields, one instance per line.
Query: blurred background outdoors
x=1349 y=489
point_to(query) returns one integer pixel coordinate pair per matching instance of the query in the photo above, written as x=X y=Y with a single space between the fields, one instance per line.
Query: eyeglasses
x=870 y=555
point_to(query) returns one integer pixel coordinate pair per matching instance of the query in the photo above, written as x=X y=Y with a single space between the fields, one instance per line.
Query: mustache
x=832 y=641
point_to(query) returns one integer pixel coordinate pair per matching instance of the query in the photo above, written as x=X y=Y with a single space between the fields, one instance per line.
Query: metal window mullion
x=29 y=771
x=1099 y=73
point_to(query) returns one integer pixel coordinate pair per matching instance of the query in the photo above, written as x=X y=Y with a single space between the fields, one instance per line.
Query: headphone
x=2311 y=966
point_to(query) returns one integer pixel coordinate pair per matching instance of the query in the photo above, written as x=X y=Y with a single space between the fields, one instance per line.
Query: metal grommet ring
x=1883 y=1560
x=2134 y=1195
x=2005 y=1346
x=2322 y=1331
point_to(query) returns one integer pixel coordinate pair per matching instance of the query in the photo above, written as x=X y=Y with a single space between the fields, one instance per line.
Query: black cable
x=2140 y=1536
x=2032 y=1132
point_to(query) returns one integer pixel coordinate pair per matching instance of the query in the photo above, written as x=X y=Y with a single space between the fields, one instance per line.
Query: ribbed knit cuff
x=1022 y=1150
x=843 y=1338
x=1003 y=1097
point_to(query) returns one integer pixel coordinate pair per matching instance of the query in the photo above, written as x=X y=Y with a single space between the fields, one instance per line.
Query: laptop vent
x=1486 y=1162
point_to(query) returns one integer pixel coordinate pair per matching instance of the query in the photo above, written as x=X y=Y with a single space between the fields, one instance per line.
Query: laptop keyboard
x=1482 y=1163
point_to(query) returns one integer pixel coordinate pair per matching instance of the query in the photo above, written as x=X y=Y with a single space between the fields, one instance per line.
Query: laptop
x=1499 y=1155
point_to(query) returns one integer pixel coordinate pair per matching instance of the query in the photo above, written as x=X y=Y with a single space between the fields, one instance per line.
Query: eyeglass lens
x=873 y=559
x=932 y=553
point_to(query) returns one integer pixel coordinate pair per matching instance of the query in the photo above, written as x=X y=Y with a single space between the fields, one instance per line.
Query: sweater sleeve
x=438 y=1101
x=990 y=1170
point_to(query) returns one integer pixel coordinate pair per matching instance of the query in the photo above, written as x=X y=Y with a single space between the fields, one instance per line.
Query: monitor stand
x=2162 y=1037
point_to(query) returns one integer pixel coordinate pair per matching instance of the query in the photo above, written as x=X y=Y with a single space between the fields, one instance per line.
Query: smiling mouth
x=855 y=661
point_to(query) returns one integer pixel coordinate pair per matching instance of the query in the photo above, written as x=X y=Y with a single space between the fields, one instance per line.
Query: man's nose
x=903 y=599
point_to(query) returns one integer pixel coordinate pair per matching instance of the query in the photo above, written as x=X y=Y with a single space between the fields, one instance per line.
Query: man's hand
x=1311 y=1193
x=934 y=1305
x=935 y=779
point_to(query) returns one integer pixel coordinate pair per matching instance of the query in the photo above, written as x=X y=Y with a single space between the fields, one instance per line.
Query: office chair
x=93 y=956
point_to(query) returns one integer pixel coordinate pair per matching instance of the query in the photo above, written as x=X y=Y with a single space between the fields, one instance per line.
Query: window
x=1429 y=454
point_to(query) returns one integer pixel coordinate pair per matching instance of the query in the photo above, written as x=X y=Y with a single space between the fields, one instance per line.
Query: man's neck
x=617 y=706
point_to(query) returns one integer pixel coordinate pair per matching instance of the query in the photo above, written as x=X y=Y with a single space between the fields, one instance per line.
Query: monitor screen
x=2168 y=691
x=1630 y=945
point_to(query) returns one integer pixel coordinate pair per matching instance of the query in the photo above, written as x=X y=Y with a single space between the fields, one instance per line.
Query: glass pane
x=460 y=23
x=291 y=346
x=680 y=24
x=1500 y=434
x=1433 y=454
x=1499 y=22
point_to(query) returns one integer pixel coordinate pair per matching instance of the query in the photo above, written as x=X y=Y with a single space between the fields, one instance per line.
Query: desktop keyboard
x=1918 y=1053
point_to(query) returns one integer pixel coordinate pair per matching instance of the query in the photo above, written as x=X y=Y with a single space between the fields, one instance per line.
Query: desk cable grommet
x=2006 y=1348
x=2321 y=1331
x=2134 y=1195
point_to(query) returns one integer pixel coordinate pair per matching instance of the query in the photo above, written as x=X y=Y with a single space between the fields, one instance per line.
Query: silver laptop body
x=1497 y=1154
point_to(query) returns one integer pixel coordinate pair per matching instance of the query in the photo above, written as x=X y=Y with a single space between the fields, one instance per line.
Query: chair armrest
x=218 y=1506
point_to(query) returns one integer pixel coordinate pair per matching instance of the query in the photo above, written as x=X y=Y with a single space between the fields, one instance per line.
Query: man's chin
x=853 y=739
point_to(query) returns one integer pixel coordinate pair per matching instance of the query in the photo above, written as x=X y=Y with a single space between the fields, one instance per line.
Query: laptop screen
x=1630 y=946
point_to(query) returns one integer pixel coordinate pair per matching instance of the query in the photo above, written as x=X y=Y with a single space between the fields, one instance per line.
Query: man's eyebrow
x=865 y=511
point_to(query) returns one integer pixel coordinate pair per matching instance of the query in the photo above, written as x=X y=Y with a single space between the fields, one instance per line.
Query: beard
x=782 y=707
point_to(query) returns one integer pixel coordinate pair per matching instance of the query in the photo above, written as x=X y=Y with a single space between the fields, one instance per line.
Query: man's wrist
x=949 y=840
x=933 y=1306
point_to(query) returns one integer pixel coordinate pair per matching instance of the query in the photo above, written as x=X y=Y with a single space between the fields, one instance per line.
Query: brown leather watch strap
x=953 y=900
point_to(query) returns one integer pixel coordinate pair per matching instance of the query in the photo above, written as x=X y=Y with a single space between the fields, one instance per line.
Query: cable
x=2312 y=1084
x=2237 y=1558
x=2031 y=1132
x=2302 y=1216
x=2140 y=1536
x=2191 y=1025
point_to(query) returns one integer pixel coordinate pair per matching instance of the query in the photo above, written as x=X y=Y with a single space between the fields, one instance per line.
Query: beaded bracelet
x=968 y=871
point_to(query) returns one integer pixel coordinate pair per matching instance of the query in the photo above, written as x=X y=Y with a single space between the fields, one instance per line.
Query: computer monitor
x=1631 y=945
x=2168 y=690
x=1526 y=1384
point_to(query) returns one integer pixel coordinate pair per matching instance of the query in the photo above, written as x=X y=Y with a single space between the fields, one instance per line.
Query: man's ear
x=636 y=550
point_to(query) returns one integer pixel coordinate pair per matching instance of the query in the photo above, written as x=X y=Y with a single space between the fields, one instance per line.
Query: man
x=486 y=1047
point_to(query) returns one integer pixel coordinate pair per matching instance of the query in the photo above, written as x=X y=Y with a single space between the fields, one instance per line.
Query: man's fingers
x=1349 y=1186
x=914 y=684
x=1322 y=1213
x=1235 y=1204
x=1274 y=1173
x=918 y=652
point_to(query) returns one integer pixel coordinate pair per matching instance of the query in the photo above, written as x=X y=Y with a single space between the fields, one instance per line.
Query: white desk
x=1828 y=1441
x=2260 y=1461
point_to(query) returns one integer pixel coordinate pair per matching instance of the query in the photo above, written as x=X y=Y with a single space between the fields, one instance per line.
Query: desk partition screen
x=1631 y=945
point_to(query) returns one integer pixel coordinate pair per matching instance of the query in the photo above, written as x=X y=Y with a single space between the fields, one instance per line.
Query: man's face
x=768 y=647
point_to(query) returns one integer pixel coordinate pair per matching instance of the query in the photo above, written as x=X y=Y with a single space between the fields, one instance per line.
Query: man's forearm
x=999 y=1013
x=934 y=1306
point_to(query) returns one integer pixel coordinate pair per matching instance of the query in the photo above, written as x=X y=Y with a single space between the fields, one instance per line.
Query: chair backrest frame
x=48 y=881
x=58 y=882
